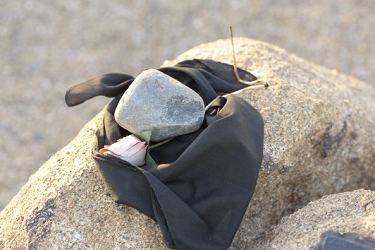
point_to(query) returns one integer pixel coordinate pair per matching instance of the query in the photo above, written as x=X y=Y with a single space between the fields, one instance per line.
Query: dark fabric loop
x=107 y=85
x=218 y=102
x=216 y=106
x=202 y=182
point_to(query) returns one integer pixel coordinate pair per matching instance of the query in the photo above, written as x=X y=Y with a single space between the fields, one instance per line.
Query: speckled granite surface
x=48 y=46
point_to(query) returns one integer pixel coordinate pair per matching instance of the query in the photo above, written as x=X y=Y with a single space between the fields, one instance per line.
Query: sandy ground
x=47 y=46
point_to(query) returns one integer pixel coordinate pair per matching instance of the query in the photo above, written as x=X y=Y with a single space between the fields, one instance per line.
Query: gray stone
x=158 y=102
x=319 y=140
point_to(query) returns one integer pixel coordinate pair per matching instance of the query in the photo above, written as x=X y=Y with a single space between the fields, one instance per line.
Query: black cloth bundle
x=202 y=182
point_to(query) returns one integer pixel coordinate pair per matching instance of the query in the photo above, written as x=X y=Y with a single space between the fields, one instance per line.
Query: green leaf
x=149 y=160
x=145 y=136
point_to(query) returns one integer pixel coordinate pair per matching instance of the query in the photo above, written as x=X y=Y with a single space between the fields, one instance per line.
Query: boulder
x=319 y=140
x=343 y=213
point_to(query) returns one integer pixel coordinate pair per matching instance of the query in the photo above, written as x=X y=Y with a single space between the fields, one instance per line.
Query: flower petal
x=130 y=149
x=134 y=149
x=123 y=145
x=137 y=158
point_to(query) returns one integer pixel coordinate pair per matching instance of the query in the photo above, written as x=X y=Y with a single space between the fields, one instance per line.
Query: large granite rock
x=158 y=103
x=349 y=212
x=319 y=140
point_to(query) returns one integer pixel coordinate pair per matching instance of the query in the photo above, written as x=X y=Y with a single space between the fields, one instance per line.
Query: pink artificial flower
x=129 y=148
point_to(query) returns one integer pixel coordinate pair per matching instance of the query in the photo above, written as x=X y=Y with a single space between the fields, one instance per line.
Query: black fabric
x=202 y=184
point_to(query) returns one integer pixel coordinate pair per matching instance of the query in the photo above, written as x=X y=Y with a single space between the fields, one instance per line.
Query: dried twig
x=161 y=143
x=235 y=65
x=250 y=83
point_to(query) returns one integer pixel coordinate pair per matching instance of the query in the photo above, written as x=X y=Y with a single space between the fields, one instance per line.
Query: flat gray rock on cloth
x=157 y=102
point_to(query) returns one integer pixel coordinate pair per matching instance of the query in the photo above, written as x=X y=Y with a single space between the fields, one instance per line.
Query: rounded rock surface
x=342 y=213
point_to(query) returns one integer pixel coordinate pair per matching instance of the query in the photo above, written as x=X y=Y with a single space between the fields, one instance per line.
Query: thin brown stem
x=233 y=55
x=160 y=143
x=235 y=64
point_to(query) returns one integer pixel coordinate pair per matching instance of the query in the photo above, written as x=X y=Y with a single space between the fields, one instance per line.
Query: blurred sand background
x=47 y=46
